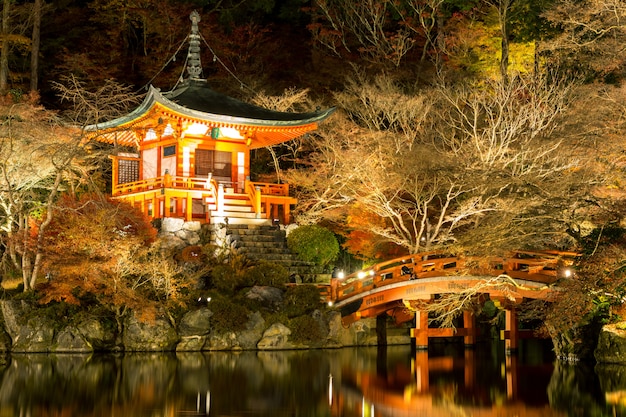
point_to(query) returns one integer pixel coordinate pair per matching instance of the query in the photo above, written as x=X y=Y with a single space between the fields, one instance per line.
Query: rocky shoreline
x=24 y=331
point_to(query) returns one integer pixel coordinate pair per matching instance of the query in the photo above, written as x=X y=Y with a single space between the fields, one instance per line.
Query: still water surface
x=396 y=381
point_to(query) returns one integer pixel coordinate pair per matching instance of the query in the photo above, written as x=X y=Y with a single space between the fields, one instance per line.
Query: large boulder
x=337 y=334
x=99 y=336
x=5 y=341
x=611 y=346
x=148 y=336
x=28 y=332
x=222 y=341
x=247 y=339
x=71 y=340
x=276 y=337
x=171 y=224
x=196 y=323
x=188 y=236
x=193 y=330
x=175 y=233
x=36 y=335
x=13 y=314
x=270 y=296
x=87 y=335
x=574 y=344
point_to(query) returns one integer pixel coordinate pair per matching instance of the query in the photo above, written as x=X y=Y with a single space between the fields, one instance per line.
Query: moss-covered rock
x=611 y=346
x=149 y=336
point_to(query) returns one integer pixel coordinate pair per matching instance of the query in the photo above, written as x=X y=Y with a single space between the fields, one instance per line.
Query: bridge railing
x=539 y=266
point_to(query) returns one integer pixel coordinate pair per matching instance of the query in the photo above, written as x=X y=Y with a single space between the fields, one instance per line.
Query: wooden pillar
x=469 y=323
x=166 y=205
x=381 y=329
x=155 y=206
x=144 y=206
x=511 y=341
x=287 y=213
x=421 y=330
x=189 y=208
x=257 y=202
x=219 y=201
x=115 y=177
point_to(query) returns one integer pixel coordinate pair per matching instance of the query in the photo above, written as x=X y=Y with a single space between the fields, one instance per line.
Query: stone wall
x=24 y=328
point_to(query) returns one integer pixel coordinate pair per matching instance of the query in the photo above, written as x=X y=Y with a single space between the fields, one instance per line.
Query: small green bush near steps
x=313 y=243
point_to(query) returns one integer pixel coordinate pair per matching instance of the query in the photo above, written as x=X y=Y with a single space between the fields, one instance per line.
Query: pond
x=394 y=381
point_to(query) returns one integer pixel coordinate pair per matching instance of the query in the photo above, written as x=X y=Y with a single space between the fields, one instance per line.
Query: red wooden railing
x=537 y=266
x=257 y=193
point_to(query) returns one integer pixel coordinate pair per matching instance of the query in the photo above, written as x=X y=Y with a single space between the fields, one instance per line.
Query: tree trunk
x=4 y=54
x=504 y=30
x=34 y=51
x=38 y=255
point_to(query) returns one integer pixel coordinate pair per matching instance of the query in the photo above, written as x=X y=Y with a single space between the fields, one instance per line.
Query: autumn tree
x=4 y=54
x=99 y=249
x=367 y=28
x=292 y=100
x=448 y=166
x=589 y=38
x=39 y=156
x=20 y=27
x=35 y=45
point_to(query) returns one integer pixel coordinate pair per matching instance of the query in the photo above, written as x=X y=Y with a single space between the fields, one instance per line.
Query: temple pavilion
x=186 y=152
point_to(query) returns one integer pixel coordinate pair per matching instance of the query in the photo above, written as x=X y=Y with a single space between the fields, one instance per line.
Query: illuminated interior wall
x=149 y=163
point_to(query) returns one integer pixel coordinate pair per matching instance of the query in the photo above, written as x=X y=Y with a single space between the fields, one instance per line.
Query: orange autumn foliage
x=83 y=249
x=361 y=241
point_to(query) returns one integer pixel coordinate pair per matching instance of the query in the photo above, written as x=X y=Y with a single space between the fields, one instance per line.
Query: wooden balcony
x=207 y=200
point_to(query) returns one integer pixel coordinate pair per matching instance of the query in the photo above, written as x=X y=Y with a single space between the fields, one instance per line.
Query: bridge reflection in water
x=457 y=383
x=350 y=382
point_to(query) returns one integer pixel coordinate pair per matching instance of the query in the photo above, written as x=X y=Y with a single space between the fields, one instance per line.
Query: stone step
x=264 y=251
x=266 y=242
x=258 y=239
x=233 y=209
x=239 y=221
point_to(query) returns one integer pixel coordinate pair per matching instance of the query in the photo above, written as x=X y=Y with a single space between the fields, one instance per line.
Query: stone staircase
x=268 y=243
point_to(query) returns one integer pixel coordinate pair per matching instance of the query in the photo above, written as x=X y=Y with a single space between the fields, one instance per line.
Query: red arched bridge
x=400 y=288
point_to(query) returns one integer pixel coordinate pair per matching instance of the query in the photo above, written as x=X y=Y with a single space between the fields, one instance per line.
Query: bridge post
x=511 y=337
x=469 y=323
x=420 y=332
x=381 y=329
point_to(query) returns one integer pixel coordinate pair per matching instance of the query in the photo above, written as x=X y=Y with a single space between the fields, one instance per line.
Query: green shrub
x=313 y=243
x=224 y=278
x=228 y=315
x=301 y=300
x=305 y=329
x=266 y=274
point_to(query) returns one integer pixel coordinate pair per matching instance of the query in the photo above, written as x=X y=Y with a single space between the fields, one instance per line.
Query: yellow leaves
x=477 y=47
x=20 y=41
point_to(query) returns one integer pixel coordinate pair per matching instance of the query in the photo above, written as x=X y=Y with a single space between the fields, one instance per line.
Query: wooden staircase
x=268 y=243
x=237 y=209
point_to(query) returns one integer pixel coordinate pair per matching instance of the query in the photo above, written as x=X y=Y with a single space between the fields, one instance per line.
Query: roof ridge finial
x=194 y=66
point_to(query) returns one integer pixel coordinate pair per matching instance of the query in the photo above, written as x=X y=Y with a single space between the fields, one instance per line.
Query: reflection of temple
x=433 y=387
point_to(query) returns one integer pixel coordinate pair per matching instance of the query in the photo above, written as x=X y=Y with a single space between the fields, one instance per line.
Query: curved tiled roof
x=195 y=99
